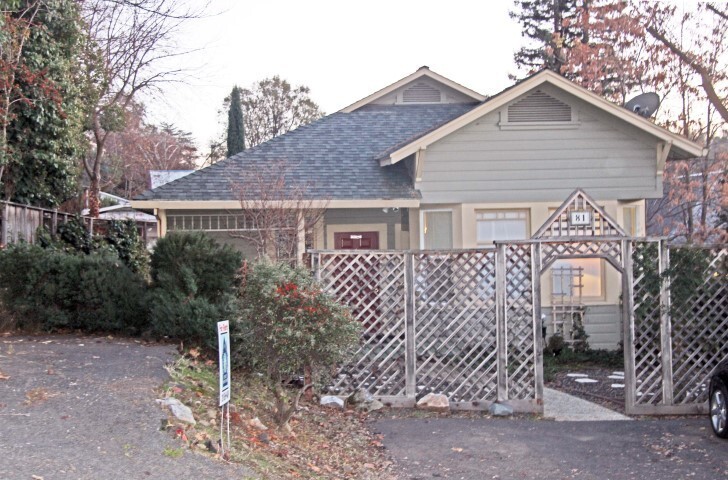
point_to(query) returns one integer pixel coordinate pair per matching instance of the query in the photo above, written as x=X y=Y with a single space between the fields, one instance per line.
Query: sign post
x=223 y=342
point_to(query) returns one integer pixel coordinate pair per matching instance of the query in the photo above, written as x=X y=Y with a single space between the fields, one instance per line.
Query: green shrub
x=124 y=238
x=193 y=287
x=121 y=238
x=287 y=323
x=50 y=290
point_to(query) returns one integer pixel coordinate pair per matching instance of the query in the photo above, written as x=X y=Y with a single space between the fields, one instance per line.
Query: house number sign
x=580 y=218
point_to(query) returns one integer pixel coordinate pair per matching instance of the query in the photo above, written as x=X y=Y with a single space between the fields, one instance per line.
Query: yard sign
x=223 y=342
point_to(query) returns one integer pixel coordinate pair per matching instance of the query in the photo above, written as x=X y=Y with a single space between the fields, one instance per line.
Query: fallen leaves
x=3 y=376
x=38 y=395
x=326 y=444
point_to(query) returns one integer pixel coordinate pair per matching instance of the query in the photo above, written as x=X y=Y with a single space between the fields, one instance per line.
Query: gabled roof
x=682 y=147
x=420 y=73
x=336 y=158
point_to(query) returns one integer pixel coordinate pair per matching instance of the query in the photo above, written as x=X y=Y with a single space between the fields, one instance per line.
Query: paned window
x=495 y=225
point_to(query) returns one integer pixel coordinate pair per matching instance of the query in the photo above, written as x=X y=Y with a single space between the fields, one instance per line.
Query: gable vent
x=421 y=93
x=539 y=107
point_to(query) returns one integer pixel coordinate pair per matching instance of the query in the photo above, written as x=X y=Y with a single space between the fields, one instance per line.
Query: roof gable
x=682 y=147
x=422 y=87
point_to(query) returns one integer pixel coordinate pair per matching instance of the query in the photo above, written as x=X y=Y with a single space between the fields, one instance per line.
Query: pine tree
x=550 y=27
x=236 y=128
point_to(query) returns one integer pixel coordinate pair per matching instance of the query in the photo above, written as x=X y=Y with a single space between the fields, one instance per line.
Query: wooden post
x=4 y=224
x=537 y=322
x=24 y=224
x=409 y=337
x=501 y=321
x=316 y=266
x=665 y=325
x=300 y=239
x=630 y=383
x=54 y=224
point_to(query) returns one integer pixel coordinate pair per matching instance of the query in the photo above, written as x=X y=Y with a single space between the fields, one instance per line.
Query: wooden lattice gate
x=460 y=323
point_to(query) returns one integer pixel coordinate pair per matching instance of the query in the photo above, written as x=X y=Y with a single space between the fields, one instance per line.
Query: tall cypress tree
x=236 y=129
x=550 y=26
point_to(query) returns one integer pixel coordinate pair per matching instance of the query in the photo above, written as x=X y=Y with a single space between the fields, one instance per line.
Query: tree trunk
x=94 y=202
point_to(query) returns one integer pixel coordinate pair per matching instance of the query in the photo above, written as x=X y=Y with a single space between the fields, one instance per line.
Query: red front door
x=356 y=241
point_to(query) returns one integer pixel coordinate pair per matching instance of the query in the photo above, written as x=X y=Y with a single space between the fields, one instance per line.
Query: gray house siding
x=603 y=324
x=484 y=163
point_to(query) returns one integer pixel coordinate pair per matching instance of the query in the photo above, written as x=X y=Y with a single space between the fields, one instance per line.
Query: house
x=426 y=163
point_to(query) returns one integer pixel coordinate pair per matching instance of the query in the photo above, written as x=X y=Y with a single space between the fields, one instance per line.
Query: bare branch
x=279 y=210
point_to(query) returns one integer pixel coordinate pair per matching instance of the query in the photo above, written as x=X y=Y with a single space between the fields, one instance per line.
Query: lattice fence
x=679 y=326
x=439 y=321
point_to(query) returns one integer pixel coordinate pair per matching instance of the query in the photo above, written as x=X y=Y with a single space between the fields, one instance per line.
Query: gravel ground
x=83 y=408
x=600 y=392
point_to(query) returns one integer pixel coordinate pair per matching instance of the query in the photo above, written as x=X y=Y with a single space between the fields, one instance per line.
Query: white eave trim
x=235 y=205
x=546 y=76
x=422 y=72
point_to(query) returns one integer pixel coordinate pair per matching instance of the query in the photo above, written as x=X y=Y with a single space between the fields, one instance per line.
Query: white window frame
x=422 y=224
x=527 y=211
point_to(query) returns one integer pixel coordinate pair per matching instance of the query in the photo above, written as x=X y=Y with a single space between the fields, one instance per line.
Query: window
x=566 y=281
x=437 y=229
x=495 y=225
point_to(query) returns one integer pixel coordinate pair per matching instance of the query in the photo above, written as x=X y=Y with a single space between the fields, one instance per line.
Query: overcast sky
x=343 y=50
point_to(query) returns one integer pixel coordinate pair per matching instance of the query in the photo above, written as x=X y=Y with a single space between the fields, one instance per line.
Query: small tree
x=286 y=324
x=279 y=209
x=236 y=127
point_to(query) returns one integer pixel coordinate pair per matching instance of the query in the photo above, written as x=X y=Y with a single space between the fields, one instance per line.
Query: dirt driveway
x=83 y=408
x=482 y=448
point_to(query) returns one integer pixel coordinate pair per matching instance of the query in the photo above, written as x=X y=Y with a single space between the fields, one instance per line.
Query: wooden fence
x=21 y=222
x=460 y=323
x=466 y=323
x=678 y=330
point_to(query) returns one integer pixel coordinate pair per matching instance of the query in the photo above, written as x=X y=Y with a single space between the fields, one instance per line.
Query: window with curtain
x=495 y=225
x=437 y=229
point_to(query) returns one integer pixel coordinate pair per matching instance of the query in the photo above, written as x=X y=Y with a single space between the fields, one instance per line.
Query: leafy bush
x=287 y=323
x=124 y=238
x=121 y=238
x=50 y=290
x=193 y=287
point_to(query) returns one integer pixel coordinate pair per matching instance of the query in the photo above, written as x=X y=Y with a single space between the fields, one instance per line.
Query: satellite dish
x=644 y=105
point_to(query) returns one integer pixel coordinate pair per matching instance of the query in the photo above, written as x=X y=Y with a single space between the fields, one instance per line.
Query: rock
x=372 y=406
x=434 y=401
x=500 y=410
x=263 y=437
x=180 y=411
x=257 y=424
x=332 y=401
x=360 y=397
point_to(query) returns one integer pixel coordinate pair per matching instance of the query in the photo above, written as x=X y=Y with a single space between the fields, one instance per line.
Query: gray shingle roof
x=336 y=157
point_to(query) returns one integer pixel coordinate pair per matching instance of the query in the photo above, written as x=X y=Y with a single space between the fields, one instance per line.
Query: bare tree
x=129 y=46
x=703 y=56
x=278 y=210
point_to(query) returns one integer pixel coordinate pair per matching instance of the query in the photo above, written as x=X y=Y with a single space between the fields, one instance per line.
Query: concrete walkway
x=567 y=408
